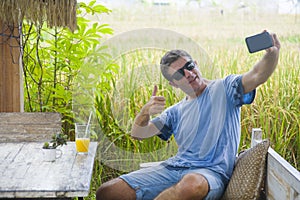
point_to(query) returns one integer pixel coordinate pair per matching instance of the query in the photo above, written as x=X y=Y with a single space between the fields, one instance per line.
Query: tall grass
x=276 y=106
x=275 y=109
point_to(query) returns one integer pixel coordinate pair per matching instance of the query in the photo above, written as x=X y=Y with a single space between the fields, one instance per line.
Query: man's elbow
x=136 y=134
x=143 y=132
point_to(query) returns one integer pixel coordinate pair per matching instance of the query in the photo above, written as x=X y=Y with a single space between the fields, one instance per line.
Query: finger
x=156 y=110
x=160 y=108
x=158 y=98
x=154 y=90
x=276 y=41
x=276 y=44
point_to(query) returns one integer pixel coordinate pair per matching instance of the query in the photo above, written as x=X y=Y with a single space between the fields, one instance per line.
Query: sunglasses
x=180 y=72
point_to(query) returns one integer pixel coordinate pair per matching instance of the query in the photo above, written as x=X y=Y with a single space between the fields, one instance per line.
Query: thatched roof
x=56 y=13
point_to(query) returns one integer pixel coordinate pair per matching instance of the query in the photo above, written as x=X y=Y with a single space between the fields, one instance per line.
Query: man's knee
x=193 y=186
x=105 y=189
x=115 y=189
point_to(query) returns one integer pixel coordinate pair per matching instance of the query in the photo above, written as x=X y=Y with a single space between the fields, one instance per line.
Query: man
x=205 y=125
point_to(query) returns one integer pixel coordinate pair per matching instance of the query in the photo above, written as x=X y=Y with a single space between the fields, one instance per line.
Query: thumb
x=154 y=90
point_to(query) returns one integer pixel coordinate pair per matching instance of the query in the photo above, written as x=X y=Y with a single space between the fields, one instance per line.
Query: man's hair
x=169 y=58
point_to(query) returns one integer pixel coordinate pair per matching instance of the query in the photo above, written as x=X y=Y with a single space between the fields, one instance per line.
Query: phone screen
x=259 y=42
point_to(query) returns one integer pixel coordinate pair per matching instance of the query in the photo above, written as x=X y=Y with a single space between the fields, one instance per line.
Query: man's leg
x=144 y=184
x=115 y=189
x=191 y=186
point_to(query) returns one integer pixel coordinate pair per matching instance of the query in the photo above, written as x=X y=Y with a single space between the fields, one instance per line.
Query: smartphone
x=259 y=42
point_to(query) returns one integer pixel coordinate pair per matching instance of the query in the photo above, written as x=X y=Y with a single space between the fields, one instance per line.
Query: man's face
x=187 y=77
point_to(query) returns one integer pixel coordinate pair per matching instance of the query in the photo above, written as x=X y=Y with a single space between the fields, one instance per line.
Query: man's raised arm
x=263 y=69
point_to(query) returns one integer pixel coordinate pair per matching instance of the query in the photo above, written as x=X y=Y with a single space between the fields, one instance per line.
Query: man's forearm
x=263 y=69
x=268 y=63
x=266 y=66
x=142 y=127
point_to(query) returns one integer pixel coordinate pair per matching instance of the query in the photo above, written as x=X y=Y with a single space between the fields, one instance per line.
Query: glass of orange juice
x=82 y=138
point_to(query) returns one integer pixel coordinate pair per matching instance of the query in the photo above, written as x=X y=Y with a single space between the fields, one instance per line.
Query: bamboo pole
x=55 y=13
x=11 y=93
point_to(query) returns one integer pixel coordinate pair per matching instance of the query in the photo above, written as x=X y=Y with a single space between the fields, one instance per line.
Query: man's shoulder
x=227 y=79
x=232 y=77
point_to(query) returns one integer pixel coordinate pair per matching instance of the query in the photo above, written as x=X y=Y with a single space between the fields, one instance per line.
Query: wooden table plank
x=24 y=173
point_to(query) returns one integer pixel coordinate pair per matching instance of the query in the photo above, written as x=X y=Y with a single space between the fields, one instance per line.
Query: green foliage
x=276 y=107
x=52 y=58
x=58 y=139
x=118 y=105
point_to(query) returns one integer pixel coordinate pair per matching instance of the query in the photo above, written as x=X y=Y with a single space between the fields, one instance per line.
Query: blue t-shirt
x=207 y=128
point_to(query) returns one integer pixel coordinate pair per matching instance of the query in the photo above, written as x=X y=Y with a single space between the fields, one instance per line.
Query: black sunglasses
x=180 y=72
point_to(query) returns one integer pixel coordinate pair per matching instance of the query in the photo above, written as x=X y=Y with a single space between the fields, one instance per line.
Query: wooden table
x=24 y=173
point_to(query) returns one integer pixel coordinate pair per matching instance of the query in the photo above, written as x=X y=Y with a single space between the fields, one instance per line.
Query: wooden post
x=11 y=91
x=256 y=136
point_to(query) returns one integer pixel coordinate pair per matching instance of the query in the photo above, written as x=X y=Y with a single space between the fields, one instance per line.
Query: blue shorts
x=149 y=182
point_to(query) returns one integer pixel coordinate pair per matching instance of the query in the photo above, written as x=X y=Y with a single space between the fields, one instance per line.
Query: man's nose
x=187 y=73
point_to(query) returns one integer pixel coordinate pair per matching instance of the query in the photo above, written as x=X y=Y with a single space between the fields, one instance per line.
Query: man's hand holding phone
x=276 y=43
x=259 y=42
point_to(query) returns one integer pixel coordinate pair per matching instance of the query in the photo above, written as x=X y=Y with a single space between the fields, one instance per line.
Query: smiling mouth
x=193 y=79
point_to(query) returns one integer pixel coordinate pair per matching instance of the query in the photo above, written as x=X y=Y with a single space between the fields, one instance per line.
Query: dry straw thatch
x=56 y=13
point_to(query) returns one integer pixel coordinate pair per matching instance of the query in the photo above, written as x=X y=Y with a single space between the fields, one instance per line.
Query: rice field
x=275 y=109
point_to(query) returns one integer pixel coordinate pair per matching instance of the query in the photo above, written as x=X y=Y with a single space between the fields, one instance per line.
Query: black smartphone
x=259 y=42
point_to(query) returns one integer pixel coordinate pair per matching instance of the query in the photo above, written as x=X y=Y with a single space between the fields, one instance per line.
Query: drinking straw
x=88 y=124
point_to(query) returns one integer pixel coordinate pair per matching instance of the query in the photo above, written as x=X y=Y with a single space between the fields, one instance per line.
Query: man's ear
x=173 y=84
